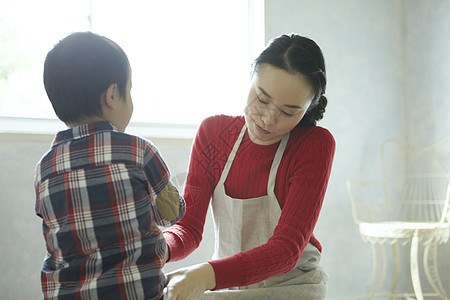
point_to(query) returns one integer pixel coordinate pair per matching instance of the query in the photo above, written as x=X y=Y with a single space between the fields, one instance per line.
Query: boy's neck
x=86 y=121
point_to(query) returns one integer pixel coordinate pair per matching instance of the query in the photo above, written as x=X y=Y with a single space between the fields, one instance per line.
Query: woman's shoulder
x=220 y=124
x=223 y=119
x=216 y=135
x=313 y=135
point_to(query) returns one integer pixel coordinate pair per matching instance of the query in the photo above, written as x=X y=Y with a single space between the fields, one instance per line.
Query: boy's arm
x=168 y=202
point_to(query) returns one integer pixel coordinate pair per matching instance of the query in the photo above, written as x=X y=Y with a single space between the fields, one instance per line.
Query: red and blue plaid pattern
x=96 y=192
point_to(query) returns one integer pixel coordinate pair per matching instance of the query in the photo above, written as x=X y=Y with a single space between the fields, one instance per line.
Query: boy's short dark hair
x=79 y=69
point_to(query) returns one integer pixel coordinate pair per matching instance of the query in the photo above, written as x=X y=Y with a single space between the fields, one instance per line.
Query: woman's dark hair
x=297 y=54
x=79 y=69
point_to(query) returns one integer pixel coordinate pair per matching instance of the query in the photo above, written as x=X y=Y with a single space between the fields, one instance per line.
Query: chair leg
x=396 y=269
x=432 y=271
x=415 y=266
x=376 y=283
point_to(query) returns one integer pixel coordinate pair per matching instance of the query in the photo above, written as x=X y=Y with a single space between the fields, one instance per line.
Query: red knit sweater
x=300 y=187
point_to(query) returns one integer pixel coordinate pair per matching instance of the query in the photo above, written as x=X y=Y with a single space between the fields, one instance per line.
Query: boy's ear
x=110 y=96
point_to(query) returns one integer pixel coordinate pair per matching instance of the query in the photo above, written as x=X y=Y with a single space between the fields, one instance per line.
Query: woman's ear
x=110 y=96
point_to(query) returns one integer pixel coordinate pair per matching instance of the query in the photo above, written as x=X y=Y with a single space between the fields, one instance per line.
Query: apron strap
x=275 y=164
x=231 y=157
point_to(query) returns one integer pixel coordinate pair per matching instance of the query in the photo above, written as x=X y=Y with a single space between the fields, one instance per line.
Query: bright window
x=190 y=59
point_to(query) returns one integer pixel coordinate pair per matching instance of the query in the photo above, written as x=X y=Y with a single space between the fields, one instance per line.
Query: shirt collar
x=83 y=131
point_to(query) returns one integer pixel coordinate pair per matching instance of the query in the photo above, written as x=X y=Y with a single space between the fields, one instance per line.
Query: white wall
x=388 y=64
x=21 y=247
x=427 y=72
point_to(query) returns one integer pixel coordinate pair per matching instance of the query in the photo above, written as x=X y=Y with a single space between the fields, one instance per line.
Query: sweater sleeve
x=307 y=179
x=185 y=236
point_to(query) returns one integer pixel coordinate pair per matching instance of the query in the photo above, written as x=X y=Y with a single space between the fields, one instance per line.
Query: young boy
x=100 y=192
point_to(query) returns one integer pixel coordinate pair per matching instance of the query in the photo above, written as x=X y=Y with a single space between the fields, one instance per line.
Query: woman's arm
x=206 y=161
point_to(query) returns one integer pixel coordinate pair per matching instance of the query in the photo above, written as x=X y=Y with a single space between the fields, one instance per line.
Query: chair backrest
x=417 y=180
x=368 y=200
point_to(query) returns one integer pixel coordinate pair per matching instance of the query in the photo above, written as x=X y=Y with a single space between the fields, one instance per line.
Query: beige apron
x=243 y=224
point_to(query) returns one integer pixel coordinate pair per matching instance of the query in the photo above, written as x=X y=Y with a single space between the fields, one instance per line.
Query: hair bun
x=315 y=113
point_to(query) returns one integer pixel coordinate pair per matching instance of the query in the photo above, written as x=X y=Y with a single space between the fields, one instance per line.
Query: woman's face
x=276 y=103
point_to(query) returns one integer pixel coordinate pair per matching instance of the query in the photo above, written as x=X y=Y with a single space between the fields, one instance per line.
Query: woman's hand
x=190 y=283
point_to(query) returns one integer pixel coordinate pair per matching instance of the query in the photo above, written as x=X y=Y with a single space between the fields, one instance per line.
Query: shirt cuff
x=228 y=271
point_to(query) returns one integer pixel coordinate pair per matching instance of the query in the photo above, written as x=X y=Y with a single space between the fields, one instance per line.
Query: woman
x=267 y=174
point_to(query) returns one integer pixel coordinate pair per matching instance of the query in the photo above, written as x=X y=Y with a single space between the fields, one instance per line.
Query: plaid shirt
x=96 y=191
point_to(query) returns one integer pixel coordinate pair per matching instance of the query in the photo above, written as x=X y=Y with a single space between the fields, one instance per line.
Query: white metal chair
x=410 y=205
